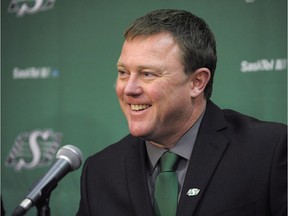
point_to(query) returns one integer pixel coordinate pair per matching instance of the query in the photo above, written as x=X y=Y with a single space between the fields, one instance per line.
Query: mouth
x=139 y=107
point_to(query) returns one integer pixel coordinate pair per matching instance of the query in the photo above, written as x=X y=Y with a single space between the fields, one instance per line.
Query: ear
x=199 y=80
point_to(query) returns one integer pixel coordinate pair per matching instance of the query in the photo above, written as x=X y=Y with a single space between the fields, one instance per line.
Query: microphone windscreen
x=71 y=154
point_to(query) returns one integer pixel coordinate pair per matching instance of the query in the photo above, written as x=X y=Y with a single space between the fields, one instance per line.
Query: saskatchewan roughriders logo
x=22 y=7
x=34 y=149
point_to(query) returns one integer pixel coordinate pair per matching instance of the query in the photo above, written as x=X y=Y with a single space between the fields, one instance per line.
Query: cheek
x=159 y=91
x=168 y=93
x=119 y=89
x=178 y=99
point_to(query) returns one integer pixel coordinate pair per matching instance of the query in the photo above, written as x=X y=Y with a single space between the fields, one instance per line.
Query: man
x=227 y=163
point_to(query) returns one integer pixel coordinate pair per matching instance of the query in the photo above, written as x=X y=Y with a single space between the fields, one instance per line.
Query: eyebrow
x=120 y=64
x=141 y=67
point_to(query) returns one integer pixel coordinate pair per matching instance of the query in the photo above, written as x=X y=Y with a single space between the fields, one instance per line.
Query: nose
x=133 y=86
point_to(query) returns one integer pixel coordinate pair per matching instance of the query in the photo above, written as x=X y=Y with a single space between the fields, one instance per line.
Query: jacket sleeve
x=278 y=179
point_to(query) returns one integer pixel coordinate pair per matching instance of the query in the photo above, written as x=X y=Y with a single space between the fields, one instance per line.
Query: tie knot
x=168 y=161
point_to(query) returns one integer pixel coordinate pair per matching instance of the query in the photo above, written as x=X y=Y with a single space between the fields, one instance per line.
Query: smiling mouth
x=139 y=107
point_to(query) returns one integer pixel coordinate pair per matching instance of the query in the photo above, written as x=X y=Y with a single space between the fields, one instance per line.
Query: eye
x=122 y=73
x=147 y=75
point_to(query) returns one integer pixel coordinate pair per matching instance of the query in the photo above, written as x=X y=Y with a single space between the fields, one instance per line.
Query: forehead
x=158 y=47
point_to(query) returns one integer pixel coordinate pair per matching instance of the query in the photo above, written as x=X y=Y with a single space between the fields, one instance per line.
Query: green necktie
x=166 y=188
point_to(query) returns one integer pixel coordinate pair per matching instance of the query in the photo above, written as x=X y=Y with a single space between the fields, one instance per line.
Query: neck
x=170 y=143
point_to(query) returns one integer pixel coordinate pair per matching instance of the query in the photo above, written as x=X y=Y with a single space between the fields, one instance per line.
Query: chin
x=137 y=132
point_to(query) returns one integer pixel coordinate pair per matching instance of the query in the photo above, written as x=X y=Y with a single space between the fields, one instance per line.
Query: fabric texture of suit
x=238 y=163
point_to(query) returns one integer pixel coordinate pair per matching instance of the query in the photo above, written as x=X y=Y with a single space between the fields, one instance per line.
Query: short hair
x=192 y=34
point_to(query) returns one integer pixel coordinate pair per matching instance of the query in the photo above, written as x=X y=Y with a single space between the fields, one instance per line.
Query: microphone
x=69 y=158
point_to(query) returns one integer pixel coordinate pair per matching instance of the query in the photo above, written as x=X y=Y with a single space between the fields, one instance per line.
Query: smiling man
x=156 y=96
x=184 y=155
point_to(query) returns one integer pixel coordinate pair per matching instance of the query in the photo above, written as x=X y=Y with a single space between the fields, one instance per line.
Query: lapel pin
x=193 y=192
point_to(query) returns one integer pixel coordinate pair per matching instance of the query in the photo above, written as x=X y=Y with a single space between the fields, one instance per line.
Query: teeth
x=137 y=107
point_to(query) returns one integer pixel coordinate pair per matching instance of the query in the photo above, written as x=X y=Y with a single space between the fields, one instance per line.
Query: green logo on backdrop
x=34 y=149
x=22 y=7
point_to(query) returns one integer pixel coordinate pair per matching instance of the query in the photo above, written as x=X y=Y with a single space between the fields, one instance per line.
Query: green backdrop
x=59 y=68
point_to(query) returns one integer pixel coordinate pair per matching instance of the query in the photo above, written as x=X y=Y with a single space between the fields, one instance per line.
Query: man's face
x=153 y=90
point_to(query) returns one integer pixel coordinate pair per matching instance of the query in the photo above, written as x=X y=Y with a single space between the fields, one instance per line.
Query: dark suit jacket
x=238 y=164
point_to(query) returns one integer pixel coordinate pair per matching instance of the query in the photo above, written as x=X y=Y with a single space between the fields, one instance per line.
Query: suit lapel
x=137 y=179
x=207 y=153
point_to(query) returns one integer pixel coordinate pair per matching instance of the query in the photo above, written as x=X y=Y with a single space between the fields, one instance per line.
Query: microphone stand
x=42 y=205
x=43 y=208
